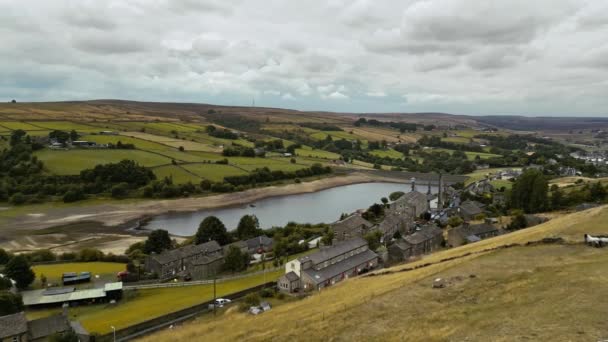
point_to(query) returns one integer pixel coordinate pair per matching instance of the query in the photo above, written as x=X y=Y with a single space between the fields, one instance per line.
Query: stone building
x=205 y=258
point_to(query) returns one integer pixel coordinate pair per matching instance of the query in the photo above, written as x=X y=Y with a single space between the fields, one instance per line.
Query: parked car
x=220 y=302
x=255 y=310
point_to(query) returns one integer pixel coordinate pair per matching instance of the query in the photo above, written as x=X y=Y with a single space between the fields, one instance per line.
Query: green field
x=499 y=183
x=214 y=172
x=140 y=144
x=456 y=140
x=14 y=125
x=105 y=270
x=387 y=153
x=470 y=155
x=71 y=162
x=321 y=135
x=64 y=126
x=316 y=153
x=177 y=173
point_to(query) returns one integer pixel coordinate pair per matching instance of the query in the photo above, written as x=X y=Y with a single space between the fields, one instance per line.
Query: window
x=15 y=339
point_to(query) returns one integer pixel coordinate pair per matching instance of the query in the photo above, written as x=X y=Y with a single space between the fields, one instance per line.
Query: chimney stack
x=413 y=181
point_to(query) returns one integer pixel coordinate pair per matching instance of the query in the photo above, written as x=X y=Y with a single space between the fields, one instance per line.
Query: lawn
x=140 y=144
x=499 y=183
x=53 y=272
x=14 y=125
x=63 y=126
x=387 y=153
x=214 y=172
x=456 y=140
x=147 y=304
x=316 y=153
x=71 y=162
x=178 y=174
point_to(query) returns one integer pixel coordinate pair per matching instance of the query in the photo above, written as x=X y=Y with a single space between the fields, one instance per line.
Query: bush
x=267 y=293
x=90 y=254
x=252 y=299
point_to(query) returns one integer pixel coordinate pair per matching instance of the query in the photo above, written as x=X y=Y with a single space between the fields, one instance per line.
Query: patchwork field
x=316 y=153
x=388 y=153
x=71 y=162
x=214 y=172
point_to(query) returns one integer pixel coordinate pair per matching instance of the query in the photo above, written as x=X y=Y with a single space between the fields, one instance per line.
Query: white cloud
x=465 y=56
x=288 y=96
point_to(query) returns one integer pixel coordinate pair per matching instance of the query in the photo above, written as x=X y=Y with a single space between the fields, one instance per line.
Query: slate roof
x=401 y=245
x=340 y=267
x=292 y=276
x=187 y=251
x=339 y=248
x=412 y=197
x=256 y=242
x=48 y=326
x=206 y=259
x=12 y=325
x=470 y=208
x=390 y=221
x=476 y=229
x=425 y=233
x=351 y=222
x=239 y=244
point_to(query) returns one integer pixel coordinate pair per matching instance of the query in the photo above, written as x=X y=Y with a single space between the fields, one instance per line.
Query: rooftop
x=47 y=326
x=12 y=325
x=292 y=276
x=351 y=222
x=186 y=252
x=425 y=233
x=330 y=252
x=340 y=267
x=64 y=295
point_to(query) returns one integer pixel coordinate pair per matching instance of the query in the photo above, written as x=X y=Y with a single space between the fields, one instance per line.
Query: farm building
x=59 y=296
x=391 y=224
x=176 y=262
x=399 y=251
x=331 y=264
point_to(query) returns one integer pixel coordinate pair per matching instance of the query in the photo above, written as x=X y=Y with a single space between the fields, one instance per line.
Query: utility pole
x=214 y=292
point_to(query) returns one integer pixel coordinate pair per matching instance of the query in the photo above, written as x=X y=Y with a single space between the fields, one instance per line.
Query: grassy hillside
x=537 y=292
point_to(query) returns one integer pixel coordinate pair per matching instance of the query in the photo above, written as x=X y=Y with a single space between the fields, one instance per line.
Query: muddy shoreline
x=127 y=216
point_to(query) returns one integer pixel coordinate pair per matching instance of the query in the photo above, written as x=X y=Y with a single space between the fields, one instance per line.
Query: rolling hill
x=507 y=288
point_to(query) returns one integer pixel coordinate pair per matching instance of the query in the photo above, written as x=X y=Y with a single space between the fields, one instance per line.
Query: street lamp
x=113 y=332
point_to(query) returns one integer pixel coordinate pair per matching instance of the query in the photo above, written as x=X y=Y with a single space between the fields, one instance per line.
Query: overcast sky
x=528 y=57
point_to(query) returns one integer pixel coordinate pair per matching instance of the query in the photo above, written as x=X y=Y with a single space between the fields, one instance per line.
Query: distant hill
x=494 y=291
x=114 y=110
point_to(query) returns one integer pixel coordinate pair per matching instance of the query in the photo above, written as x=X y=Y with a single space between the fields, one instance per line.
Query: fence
x=196 y=282
x=161 y=322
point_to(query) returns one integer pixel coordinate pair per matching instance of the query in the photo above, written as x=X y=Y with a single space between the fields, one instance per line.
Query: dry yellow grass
x=567 y=181
x=546 y=292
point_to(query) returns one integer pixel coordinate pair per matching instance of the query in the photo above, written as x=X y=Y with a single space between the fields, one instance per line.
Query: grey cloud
x=109 y=44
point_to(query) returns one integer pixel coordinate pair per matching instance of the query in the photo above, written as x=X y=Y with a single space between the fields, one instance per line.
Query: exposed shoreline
x=117 y=214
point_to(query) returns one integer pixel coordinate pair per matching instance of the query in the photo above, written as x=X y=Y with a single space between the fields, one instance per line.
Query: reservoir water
x=317 y=207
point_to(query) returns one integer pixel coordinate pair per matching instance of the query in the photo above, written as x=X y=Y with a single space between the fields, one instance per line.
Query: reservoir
x=324 y=206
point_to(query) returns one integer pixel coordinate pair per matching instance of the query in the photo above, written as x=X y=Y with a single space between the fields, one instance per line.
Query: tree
x=384 y=200
x=396 y=195
x=529 y=192
x=454 y=221
x=19 y=269
x=120 y=190
x=236 y=260
x=4 y=256
x=248 y=227
x=597 y=192
x=158 y=241
x=211 y=229
x=328 y=237
x=373 y=239
x=10 y=303
x=518 y=222
x=5 y=284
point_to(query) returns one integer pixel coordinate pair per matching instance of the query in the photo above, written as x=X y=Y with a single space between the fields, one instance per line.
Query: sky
x=511 y=57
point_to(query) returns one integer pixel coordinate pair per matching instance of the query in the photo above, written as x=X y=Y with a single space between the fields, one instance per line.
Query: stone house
x=399 y=251
x=351 y=227
x=412 y=204
x=178 y=262
x=260 y=244
x=391 y=224
x=241 y=245
x=333 y=264
x=468 y=210
x=13 y=328
x=289 y=282
x=468 y=233
x=16 y=328
x=425 y=240
x=205 y=267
